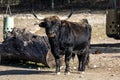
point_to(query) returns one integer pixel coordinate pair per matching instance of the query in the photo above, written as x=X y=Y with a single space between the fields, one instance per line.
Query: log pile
x=20 y=44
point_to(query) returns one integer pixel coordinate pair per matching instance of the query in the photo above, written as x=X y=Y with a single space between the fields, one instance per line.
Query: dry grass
x=97 y=19
x=98 y=22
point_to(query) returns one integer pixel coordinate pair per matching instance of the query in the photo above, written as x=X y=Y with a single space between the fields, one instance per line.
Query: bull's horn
x=67 y=17
x=39 y=18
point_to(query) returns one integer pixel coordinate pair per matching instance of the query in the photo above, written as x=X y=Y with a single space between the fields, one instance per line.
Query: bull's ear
x=42 y=24
x=65 y=23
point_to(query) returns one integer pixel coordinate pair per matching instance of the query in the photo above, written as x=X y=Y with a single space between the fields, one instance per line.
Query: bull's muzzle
x=51 y=35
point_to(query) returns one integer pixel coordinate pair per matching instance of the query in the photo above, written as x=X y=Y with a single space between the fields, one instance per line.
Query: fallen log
x=23 y=45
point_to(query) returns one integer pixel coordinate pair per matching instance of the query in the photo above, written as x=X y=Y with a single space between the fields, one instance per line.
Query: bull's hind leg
x=83 y=60
x=80 y=62
x=81 y=67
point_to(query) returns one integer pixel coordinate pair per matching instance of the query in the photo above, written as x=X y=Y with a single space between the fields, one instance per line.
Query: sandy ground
x=110 y=55
x=14 y=73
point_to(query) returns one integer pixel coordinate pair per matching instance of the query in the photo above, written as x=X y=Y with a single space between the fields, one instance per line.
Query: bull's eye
x=48 y=24
x=42 y=24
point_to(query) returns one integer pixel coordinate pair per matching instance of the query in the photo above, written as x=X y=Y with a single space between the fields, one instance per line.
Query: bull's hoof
x=67 y=73
x=58 y=73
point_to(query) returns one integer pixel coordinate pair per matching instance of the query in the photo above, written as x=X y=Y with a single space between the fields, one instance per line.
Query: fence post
x=53 y=5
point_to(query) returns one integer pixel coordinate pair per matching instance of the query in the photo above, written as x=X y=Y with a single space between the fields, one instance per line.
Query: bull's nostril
x=52 y=32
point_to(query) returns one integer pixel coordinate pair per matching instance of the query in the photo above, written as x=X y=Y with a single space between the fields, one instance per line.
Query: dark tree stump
x=23 y=45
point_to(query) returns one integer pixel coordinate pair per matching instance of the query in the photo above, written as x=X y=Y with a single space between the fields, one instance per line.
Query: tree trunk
x=22 y=45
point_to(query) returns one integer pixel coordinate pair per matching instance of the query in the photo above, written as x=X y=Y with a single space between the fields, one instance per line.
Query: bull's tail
x=73 y=57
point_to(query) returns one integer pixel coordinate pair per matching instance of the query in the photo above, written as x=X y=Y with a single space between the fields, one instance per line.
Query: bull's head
x=52 y=24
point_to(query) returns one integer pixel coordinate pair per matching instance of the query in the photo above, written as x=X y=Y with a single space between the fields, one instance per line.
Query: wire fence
x=39 y=5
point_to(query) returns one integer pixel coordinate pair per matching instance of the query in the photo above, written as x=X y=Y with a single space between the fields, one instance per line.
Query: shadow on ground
x=106 y=48
x=23 y=72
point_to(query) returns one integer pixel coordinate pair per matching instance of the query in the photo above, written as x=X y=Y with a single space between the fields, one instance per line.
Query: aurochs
x=66 y=37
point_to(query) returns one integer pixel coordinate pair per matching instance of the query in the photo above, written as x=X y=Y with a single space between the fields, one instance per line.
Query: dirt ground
x=14 y=73
x=104 y=66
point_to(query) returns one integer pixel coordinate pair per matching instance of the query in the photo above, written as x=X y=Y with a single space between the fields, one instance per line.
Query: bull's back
x=76 y=34
x=81 y=34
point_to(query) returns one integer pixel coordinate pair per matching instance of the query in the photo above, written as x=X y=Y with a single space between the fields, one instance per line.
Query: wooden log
x=50 y=61
x=23 y=45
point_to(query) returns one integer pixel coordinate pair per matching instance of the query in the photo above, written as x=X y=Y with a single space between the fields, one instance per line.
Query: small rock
x=94 y=66
x=81 y=76
x=97 y=52
x=38 y=68
x=109 y=69
x=113 y=75
x=30 y=67
x=61 y=67
x=74 y=67
x=67 y=73
x=58 y=73
x=82 y=72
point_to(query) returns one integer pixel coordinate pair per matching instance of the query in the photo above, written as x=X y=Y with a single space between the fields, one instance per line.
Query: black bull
x=66 y=37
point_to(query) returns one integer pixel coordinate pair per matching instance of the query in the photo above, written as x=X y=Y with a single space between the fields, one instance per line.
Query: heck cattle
x=66 y=37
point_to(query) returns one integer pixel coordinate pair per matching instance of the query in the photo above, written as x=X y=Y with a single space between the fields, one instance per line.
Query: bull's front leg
x=56 y=55
x=68 y=56
x=57 y=60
